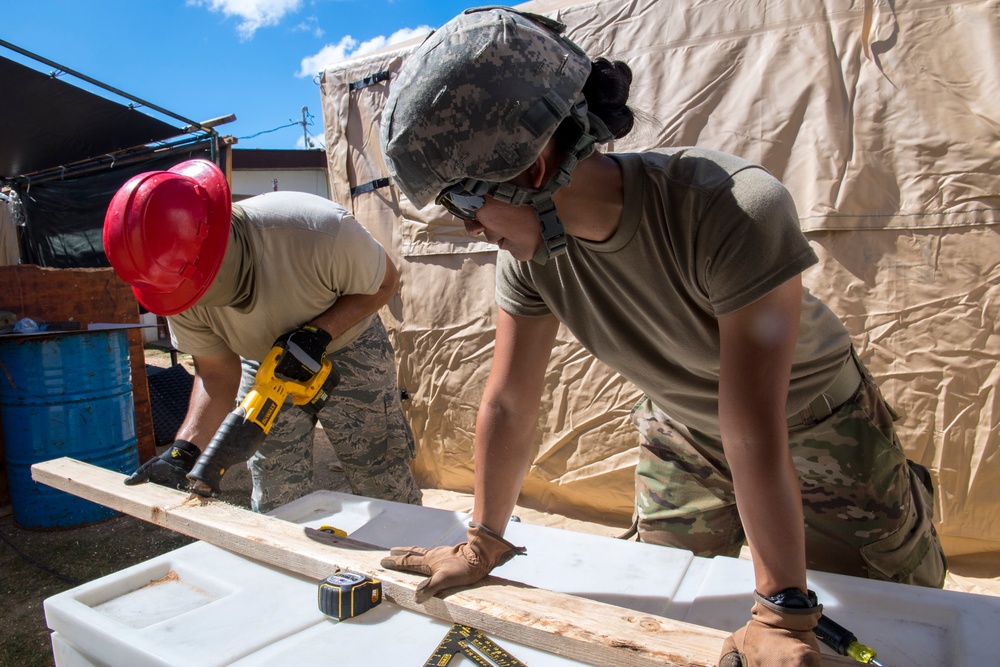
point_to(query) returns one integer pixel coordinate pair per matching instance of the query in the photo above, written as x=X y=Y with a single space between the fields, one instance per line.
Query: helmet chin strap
x=592 y=131
x=553 y=234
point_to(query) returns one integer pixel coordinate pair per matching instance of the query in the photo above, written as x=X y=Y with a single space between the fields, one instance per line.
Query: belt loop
x=826 y=409
x=865 y=373
x=839 y=391
x=807 y=416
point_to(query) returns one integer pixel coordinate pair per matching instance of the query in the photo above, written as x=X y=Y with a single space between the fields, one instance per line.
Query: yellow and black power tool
x=244 y=429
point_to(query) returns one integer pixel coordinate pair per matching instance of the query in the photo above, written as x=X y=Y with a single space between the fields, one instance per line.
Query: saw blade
x=338 y=541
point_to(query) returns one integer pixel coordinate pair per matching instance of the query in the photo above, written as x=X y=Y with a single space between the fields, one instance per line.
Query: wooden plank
x=584 y=630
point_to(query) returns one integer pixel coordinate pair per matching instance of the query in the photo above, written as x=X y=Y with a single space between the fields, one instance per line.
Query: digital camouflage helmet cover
x=477 y=102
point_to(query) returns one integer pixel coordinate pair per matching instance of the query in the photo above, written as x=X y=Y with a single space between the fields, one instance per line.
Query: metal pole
x=125 y=157
x=95 y=82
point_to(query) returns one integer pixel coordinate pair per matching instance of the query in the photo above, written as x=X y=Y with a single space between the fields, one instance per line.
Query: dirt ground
x=37 y=564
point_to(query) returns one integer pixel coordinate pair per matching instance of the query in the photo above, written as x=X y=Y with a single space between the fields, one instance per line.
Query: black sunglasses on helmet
x=463 y=200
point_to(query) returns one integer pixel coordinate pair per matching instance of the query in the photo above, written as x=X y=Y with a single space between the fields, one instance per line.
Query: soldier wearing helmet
x=681 y=269
x=234 y=280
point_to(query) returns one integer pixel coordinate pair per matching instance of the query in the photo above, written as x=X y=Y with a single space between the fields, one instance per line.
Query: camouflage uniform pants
x=363 y=419
x=868 y=510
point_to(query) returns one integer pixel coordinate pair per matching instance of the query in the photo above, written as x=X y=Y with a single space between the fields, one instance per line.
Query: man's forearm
x=770 y=507
x=213 y=396
x=204 y=416
x=502 y=455
x=348 y=311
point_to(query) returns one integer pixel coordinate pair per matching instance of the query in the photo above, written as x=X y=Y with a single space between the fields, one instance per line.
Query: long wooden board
x=584 y=630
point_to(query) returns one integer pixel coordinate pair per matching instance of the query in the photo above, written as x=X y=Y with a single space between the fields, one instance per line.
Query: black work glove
x=302 y=353
x=169 y=468
x=778 y=634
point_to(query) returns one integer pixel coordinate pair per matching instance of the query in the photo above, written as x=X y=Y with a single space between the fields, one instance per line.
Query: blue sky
x=207 y=58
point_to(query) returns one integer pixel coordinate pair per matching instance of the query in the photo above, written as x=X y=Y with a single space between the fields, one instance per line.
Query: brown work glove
x=777 y=635
x=459 y=565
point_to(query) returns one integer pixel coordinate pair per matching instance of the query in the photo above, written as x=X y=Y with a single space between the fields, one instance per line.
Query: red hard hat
x=165 y=233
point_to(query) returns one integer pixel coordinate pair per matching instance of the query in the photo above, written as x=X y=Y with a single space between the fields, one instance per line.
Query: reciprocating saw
x=244 y=429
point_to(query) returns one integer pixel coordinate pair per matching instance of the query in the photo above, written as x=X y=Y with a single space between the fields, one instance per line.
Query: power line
x=281 y=127
x=307 y=120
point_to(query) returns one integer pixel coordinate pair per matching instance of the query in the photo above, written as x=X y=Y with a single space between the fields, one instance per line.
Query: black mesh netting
x=169 y=393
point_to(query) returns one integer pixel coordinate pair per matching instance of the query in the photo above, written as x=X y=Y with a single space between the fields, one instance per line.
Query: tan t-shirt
x=307 y=251
x=703 y=234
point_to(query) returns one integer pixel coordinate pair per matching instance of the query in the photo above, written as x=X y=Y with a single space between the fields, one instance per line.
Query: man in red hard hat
x=282 y=268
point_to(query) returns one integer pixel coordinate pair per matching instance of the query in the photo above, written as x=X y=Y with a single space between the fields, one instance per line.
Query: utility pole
x=305 y=132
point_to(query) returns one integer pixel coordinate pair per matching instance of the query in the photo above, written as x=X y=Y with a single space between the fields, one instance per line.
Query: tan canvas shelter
x=881 y=117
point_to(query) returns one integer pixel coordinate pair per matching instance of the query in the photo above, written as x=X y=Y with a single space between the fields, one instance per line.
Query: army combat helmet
x=474 y=106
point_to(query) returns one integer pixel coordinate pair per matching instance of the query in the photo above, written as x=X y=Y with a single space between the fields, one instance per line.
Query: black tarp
x=64 y=219
x=66 y=151
x=47 y=123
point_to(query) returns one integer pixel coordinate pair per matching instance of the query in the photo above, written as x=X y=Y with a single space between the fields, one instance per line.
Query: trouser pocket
x=912 y=554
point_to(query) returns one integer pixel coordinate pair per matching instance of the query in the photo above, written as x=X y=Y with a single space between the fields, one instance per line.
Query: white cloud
x=310 y=25
x=254 y=13
x=348 y=48
x=329 y=54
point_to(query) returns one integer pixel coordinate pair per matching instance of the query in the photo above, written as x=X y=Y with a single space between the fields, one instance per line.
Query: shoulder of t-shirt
x=694 y=166
x=295 y=210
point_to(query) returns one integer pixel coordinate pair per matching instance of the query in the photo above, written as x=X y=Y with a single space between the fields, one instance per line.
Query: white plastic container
x=203 y=605
x=198 y=600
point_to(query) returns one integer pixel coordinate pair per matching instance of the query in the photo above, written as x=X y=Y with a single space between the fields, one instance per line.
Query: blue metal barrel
x=65 y=394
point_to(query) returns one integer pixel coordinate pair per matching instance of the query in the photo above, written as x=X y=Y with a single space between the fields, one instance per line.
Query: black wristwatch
x=792 y=598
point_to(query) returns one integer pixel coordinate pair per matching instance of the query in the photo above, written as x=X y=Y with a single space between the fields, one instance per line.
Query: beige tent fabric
x=881 y=117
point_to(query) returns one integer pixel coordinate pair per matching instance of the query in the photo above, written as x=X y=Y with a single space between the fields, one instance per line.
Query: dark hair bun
x=607 y=91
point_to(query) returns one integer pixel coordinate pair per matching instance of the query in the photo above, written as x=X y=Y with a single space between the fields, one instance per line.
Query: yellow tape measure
x=348 y=594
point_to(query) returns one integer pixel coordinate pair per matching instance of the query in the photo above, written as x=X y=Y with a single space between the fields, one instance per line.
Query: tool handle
x=834 y=635
x=315 y=390
x=321 y=393
x=844 y=642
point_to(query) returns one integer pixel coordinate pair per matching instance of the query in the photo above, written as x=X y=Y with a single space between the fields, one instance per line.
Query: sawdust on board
x=170 y=576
